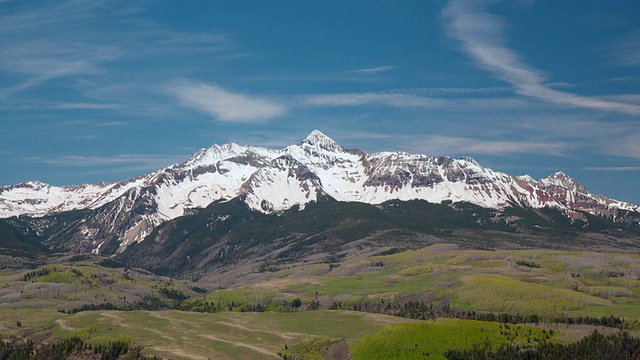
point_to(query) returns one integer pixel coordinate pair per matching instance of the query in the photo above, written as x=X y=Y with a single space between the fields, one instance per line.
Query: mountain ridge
x=271 y=181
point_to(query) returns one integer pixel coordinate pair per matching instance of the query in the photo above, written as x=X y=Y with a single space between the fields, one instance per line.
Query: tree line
x=618 y=346
x=420 y=310
x=70 y=347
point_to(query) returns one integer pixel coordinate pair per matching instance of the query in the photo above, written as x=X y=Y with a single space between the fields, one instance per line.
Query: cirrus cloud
x=225 y=105
x=150 y=161
x=481 y=37
x=613 y=168
x=358 y=99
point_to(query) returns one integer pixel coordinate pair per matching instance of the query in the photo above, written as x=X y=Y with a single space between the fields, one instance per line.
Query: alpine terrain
x=108 y=218
x=249 y=252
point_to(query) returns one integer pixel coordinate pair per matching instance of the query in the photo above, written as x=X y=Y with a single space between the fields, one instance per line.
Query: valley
x=318 y=251
x=566 y=293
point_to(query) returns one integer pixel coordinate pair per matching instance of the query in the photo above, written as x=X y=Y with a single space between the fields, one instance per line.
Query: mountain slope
x=232 y=239
x=118 y=214
x=16 y=239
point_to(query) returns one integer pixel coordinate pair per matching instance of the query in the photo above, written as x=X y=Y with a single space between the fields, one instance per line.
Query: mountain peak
x=559 y=178
x=33 y=184
x=317 y=138
x=470 y=160
x=273 y=180
x=209 y=156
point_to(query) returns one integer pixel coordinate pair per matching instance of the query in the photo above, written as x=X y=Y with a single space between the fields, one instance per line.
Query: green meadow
x=430 y=339
x=188 y=335
x=541 y=282
x=307 y=308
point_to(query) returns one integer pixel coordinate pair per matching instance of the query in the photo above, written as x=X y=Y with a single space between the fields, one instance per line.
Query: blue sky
x=94 y=90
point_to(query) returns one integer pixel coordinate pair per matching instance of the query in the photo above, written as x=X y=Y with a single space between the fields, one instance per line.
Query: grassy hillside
x=74 y=286
x=225 y=235
x=280 y=307
x=547 y=283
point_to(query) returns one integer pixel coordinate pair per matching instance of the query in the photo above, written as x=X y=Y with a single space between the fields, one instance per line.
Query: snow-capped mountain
x=274 y=180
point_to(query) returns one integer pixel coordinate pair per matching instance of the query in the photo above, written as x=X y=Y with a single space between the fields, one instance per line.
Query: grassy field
x=430 y=339
x=188 y=335
x=544 y=282
x=40 y=302
x=68 y=287
x=233 y=335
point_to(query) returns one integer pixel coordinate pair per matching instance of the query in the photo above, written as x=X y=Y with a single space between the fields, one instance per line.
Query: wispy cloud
x=112 y=123
x=149 y=161
x=480 y=34
x=461 y=145
x=92 y=45
x=467 y=145
x=613 y=168
x=97 y=3
x=628 y=98
x=624 y=79
x=595 y=135
x=225 y=105
x=626 y=51
x=357 y=99
x=85 y=106
x=446 y=91
x=626 y=145
x=452 y=98
x=61 y=54
x=370 y=71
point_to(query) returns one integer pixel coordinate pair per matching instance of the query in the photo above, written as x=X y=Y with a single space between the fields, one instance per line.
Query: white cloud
x=613 y=168
x=418 y=98
x=149 y=161
x=355 y=99
x=628 y=98
x=112 y=123
x=437 y=145
x=89 y=45
x=64 y=52
x=370 y=71
x=446 y=91
x=626 y=145
x=594 y=135
x=465 y=145
x=85 y=106
x=625 y=52
x=481 y=36
x=225 y=105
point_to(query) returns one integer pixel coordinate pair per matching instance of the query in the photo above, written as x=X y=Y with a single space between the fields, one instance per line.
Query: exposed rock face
x=113 y=215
